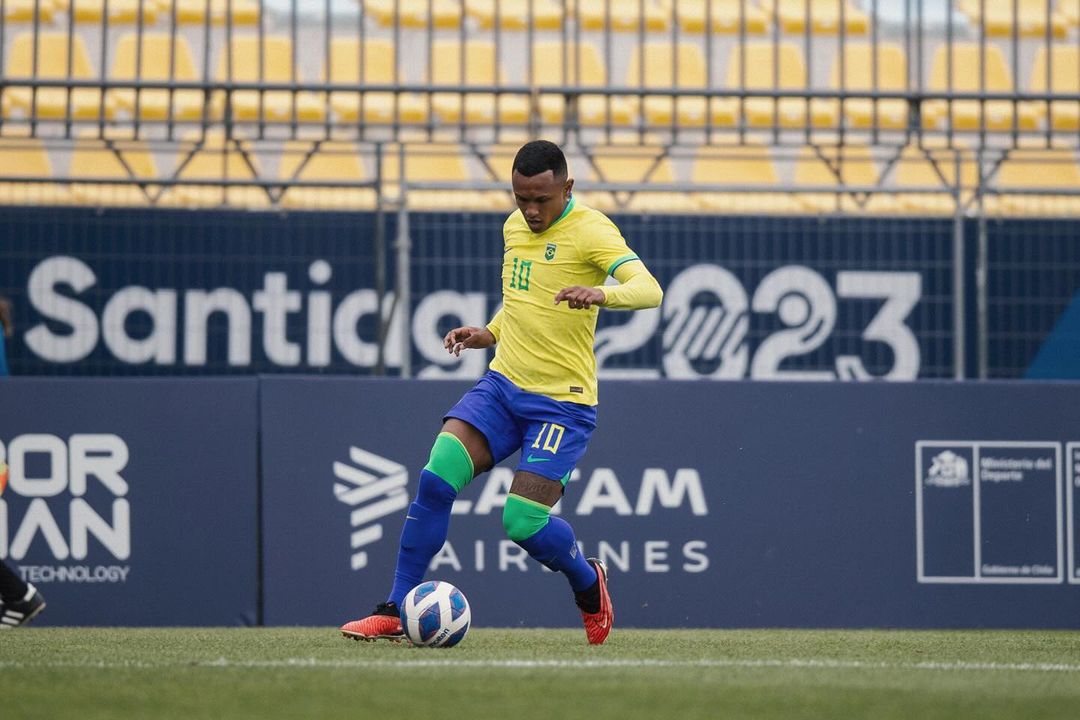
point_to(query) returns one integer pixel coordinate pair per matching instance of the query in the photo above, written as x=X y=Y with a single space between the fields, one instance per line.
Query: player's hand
x=580 y=298
x=467 y=338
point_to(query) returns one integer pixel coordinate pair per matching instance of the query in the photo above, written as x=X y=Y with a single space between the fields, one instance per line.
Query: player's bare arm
x=467 y=338
x=580 y=298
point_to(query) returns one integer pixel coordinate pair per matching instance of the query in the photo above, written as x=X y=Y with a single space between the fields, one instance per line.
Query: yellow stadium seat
x=52 y=63
x=1069 y=11
x=26 y=158
x=825 y=166
x=120 y=11
x=968 y=65
x=23 y=10
x=434 y=162
x=330 y=162
x=1039 y=169
x=687 y=70
x=584 y=68
x=932 y=166
x=414 y=13
x=98 y=159
x=516 y=14
x=379 y=62
x=619 y=15
x=193 y=12
x=158 y=60
x=859 y=75
x=826 y=16
x=723 y=16
x=479 y=68
x=1064 y=67
x=759 y=75
x=216 y=159
x=641 y=167
x=746 y=165
x=1030 y=18
x=242 y=65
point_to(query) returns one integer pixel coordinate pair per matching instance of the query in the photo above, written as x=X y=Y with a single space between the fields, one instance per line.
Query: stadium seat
x=584 y=68
x=329 y=162
x=216 y=159
x=932 y=166
x=414 y=13
x=641 y=167
x=723 y=16
x=52 y=63
x=1064 y=67
x=435 y=162
x=1038 y=169
x=740 y=166
x=240 y=63
x=479 y=68
x=121 y=12
x=27 y=158
x=832 y=166
x=18 y=11
x=97 y=159
x=1069 y=11
x=157 y=60
x=193 y=12
x=759 y=75
x=653 y=66
x=379 y=68
x=826 y=16
x=859 y=75
x=619 y=15
x=1030 y=18
x=968 y=65
x=516 y=14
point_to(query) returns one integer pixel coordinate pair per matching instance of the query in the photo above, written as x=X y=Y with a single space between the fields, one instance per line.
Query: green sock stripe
x=523 y=517
x=450 y=460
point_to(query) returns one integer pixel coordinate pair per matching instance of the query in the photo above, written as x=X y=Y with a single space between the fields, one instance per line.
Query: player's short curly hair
x=540 y=156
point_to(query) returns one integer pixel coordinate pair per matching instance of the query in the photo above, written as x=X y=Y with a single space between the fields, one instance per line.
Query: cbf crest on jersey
x=549 y=253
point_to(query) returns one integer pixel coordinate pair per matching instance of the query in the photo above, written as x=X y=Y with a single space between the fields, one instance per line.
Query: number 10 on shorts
x=551 y=435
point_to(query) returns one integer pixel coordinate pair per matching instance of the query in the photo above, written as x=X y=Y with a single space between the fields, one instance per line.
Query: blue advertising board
x=133 y=501
x=170 y=292
x=714 y=505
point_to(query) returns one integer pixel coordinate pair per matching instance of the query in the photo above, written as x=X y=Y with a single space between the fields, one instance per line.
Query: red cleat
x=384 y=623
x=598 y=624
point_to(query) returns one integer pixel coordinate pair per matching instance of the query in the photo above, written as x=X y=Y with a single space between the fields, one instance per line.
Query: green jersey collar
x=565 y=212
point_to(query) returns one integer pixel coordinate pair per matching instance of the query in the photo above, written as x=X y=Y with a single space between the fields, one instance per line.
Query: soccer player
x=539 y=395
x=20 y=602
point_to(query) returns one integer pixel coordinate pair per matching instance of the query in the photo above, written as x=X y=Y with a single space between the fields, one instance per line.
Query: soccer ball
x=435 y=614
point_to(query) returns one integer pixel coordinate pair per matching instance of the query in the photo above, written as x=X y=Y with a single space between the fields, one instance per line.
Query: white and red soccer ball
x=435 y=614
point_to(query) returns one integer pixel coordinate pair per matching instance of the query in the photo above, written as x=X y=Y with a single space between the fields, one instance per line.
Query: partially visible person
x=20 y=602
x=8 y=330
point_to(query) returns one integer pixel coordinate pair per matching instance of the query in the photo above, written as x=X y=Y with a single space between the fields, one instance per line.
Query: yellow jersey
x=547 y=348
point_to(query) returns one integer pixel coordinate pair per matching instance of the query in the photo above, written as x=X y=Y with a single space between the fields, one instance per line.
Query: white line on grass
x=512 y=664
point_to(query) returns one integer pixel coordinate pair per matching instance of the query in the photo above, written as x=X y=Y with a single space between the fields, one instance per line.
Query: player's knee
x=450 y=461
x=523 y=518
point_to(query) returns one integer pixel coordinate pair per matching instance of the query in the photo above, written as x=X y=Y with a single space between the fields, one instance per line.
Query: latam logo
x=375 y=487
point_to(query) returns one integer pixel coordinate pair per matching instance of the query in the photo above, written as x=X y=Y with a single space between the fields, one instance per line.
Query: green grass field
x=544 y=674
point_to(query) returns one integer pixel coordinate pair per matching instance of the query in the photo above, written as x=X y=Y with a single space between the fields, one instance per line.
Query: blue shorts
x=551 y=435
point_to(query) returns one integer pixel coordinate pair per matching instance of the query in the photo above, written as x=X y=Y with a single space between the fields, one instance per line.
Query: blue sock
x=555 y=546
x=426 y=526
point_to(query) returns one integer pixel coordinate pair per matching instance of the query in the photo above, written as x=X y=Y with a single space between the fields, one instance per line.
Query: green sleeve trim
x=620 y=261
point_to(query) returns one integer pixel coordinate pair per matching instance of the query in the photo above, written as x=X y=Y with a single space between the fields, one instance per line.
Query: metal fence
x=965 y=111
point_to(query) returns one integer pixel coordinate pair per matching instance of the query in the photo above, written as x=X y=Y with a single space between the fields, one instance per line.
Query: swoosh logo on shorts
x=533 y=458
